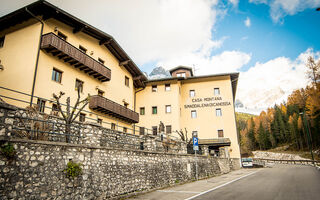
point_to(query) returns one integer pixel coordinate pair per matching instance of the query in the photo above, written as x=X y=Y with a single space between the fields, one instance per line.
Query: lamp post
x=307 y=128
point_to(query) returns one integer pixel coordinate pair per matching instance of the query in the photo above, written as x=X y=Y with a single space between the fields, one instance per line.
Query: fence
x=31 y=124
x=301 y=162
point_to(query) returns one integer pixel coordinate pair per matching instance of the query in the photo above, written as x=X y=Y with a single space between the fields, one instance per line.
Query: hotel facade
x=45 y=50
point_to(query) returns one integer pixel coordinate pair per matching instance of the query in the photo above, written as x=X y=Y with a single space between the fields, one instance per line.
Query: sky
x=267 y=41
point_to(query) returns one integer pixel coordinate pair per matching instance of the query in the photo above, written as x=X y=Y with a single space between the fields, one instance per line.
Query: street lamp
x=307 y=128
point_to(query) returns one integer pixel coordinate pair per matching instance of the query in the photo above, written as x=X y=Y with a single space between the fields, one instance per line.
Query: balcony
x=65 y=51
x=106 y=106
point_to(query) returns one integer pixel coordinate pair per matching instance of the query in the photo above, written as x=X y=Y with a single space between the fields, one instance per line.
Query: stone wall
x=36 y=172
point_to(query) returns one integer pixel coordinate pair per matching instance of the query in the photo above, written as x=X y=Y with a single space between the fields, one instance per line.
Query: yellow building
x=197 y=104
x=45 y=50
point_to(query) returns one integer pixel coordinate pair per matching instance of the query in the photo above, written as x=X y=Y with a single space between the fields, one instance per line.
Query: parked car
x=247 y=162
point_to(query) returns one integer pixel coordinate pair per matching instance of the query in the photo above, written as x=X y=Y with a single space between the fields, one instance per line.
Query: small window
x=142 y=111
x=220 y=133
x=154 y=110
x=125 y=130
x=101 y=61
x=55 y=107
x=216 y=91
x=126 y=81
x=193 y=114
x=56 y=75
x=168 y=108
x=181 y=74
x=41 y=105
x=155 y=130
x=218 y=112
x=168 y=129
x=141 y=130
x=99 y=121
x=113 y=126
x=154 y=88
x=82 y=117
x=84 y=50
x=79 y=85
x=1 y=42
x=167 y=87
x=62 y=36
x=100 y=93
x=192 y=93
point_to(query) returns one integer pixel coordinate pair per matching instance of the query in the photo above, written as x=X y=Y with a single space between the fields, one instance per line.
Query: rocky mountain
x=159 y=72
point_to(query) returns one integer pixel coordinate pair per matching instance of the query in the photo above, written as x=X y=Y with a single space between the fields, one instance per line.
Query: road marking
x=178 y=191
x=212 y=189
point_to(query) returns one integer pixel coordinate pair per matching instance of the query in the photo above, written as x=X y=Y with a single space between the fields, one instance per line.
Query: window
x=168 y=108
x=79 y=85
x=126 y=81
x=142 y=111
x=125 y=129
x=1 y=41
x=154 y=110
x=100 y=93
x=84 y=50
x=192 y=93
x=41 y=105
x=220 y=133
x=113 y=126
x=167 y=87
x=181 y=74
x=56 y=75
x=82 y=117
x=154 y=88
x=154 y=130
x=216 y=91
x=55 y=107
x=168 y=129
x=99 y=121
x=101 y=61
x=62 y=36
x=193 y=114
x=141 y=130
x=218 y=112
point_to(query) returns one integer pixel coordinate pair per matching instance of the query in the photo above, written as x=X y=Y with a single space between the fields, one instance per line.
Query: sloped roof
x=47 y=11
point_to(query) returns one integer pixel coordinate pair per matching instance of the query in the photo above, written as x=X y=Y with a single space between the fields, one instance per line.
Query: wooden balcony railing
x=215 y=141
x=112 y=108
x=65 y=51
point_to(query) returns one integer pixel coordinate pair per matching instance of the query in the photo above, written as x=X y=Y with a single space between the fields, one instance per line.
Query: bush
x=73 y=169
x=8 y=150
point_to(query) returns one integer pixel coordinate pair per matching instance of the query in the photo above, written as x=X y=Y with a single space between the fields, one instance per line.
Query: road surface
x=281 y=182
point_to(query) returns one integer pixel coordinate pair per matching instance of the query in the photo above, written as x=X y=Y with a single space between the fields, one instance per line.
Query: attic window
x=84 y=50
x=62 y=36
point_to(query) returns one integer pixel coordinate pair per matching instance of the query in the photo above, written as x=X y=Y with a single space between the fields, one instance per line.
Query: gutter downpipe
x=134 y=108
x=38 y=55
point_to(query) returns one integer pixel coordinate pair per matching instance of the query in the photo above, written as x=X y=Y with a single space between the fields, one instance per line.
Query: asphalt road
x=282 y=182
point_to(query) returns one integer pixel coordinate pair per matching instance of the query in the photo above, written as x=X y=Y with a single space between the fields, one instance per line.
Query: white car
x=247 y=162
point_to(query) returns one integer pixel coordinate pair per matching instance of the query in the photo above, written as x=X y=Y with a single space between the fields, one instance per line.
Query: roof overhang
x=47 y=11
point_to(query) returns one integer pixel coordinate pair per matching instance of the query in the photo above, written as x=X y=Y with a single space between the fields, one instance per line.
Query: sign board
x=195 y=144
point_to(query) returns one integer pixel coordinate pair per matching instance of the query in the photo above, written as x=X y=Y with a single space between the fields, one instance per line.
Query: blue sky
x=267 y=41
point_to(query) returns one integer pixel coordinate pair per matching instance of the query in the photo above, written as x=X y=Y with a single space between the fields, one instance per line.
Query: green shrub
x=73 y=169
x=8 y=150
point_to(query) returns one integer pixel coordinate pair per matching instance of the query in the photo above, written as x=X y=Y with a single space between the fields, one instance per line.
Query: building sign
x=207 y=102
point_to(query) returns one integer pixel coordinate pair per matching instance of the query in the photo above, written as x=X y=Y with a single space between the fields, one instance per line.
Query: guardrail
x=302 y=162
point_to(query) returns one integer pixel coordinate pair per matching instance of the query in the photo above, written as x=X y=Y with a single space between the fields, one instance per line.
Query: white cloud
x=227 y=61
x=281 y=8
x=247 y=22
x=271 y=82
x=234 y=2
